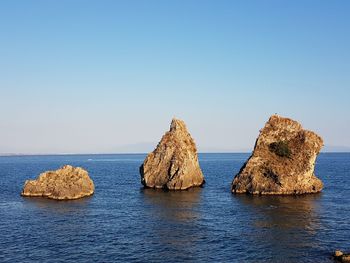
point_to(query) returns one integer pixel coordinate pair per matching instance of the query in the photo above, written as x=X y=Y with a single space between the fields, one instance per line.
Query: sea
x=123 y=222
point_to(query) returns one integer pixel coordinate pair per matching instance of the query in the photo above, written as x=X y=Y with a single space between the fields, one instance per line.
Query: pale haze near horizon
x=108 y=76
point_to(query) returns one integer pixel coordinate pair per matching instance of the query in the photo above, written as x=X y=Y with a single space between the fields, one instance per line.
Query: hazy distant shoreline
x=143 y=153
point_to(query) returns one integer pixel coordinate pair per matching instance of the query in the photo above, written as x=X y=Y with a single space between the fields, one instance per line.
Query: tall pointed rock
x=282 y=162
x=174 y=163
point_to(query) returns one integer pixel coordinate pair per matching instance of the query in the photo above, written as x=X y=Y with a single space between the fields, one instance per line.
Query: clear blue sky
x=108 y=76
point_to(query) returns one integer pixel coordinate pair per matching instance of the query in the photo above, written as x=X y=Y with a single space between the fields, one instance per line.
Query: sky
x=80 y=76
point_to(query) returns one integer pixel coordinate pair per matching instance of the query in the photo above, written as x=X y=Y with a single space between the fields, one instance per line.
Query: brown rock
x=341 y=257
x=338 y=253
x=174 y=163
x=282 y=162
x=65 y=183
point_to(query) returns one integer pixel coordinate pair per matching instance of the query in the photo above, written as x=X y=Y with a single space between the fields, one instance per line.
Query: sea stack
x=282 y=162
x=174 y=163
x=65 y=183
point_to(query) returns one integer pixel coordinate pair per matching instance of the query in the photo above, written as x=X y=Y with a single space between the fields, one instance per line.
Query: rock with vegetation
x=65 y=183
x=282 y=162
x=174 y=163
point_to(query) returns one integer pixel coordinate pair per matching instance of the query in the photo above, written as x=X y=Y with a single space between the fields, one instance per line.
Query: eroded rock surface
x=65 y=183
x=174 y=163
x=282 y=162
x=341 y=257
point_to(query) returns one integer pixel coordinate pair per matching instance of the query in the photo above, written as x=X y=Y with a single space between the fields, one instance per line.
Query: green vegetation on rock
x=280 y=148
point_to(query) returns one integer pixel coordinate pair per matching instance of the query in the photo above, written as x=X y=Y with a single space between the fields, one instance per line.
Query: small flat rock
x=65 y=183
x=174 y=163
x=341 y=257
x=282 y=162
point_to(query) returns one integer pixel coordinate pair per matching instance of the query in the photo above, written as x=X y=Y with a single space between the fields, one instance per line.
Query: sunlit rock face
x=65 y=183
x=282 y=162
x=174 y=163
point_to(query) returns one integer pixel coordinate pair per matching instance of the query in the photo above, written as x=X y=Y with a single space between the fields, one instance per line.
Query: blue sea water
x=122 y=222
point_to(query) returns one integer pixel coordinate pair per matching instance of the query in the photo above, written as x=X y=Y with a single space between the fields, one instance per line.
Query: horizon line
x=128 y=153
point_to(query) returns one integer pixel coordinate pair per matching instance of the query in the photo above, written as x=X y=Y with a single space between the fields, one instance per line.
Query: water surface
x=124 y=222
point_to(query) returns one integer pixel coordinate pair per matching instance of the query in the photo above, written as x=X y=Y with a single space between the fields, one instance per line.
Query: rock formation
x=282 y=162
x=341 y=257
x=65 y=183
x=174 y=163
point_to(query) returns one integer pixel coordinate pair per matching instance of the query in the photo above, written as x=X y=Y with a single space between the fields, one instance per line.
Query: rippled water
x=123 y=222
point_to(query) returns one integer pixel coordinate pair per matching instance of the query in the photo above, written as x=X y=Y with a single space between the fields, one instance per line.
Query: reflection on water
x=59 y=207
x=61 y=221
x=285 y=222
x=284 y=212
x=173 y=205
x=174 y=220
